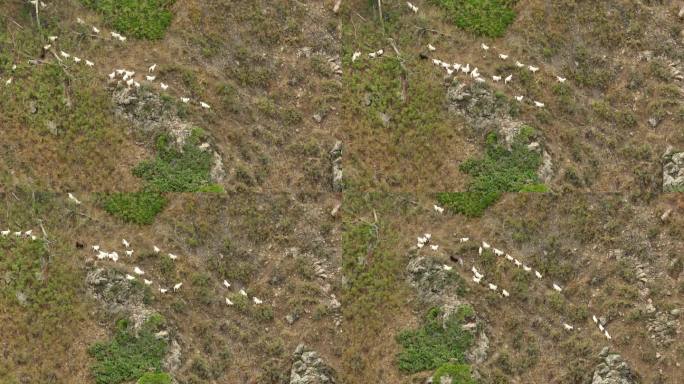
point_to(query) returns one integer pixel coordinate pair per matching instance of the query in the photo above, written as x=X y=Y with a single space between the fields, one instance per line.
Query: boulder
x=309 y=368
x=673 y=171
x=613 y=370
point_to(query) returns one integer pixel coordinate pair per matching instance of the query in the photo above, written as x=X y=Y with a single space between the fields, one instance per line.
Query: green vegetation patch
x=129 y=356
x=488 y=18
x=459 y=374
x=136 y=207
x=499 y=170
x=155 y=378
x=143 y=19
x=439 y=341
x=174 y=170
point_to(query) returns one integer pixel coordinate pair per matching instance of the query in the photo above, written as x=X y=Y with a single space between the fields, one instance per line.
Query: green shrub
x=436 y=343
x=143 y=19
x=459 y=373
x=498 y=171
x=155 y=378
x=128 y=356
x=482 y=17
x=137 y=207
x=174 y=170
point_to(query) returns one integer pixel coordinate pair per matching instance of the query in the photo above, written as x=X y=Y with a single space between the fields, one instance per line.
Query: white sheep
x=73 y=198
x=164 y=86
x=505 y=293
x=96 y=30
x=447 y=267
x=593 y=317
x=112 y=75
x=509 y=257
x=412 y=7
x=95 y=248
x=526 y=268
x=561 y=79
x=226 y=284
x=64 y=54
x=502 y=56
x=456 y=66
x=185 y=100
x=557 y=288
x=434 y=247
x=436 y=62
x=156 y=249
x=498 y=252
x=355 y=56
x=492 y=287
x=538 y=104
x=568 y=327
x=147 y=282
x=114 y=256
x=52 y=38
x=607 y=335
x=438 y=208
x=539 y=275
x=129 y=277
x=485 y=245
x=431 y=47
x=480 y=80
x=519 y=98
x=479 y=251
x=519 y=64
x=228 y=302
x=102 y=255
x=466 y=69
x=496 y=78
x=177 y=287
x=508 y=79
x=150 y=78
x=129 y=253
x=517 y=262
x=89 y=63
x=463 y=239
x=163 y=290
x=5 y=233
x=477 y=279
x=243 y=293
x=256 y=300
x=601 y=327
x=485 y=47
x=125 y=243
x=173 y=257
x=138 y=271
x=204 y=105
x=77 y=59
x=533 y=69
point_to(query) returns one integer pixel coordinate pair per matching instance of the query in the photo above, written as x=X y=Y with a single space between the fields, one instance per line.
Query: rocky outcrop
x=336 y=158
x=663 y=327
x=118 y=295
x=434 y=285
x=309 y=368
x=673 y=171
x=613 y=370
x=151 y=116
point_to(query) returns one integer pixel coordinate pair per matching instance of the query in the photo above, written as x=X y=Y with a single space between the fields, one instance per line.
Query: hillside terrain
x=354 y=191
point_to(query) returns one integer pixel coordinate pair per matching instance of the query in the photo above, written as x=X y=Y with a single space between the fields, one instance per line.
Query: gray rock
x=292 y=317
x=172 y=361
x=478 y=353
x=433 y=284
x=673 y=170
x=653 y=121
x=336 y=158
x=612 y=370
x=309 y=368
x=545 y=171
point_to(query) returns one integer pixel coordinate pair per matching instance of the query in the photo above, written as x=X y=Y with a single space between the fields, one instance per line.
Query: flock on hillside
x=127 y=77
x=453 y=69
x=426 y=239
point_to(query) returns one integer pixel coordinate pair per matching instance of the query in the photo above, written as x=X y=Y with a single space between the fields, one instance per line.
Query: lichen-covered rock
x=663 y=328
x=673 y=171
x=309 y=368
x=336 y=158
x=613 y=370
x=433 y=283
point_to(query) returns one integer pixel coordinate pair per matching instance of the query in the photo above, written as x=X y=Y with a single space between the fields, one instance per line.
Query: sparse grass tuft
x=437 y=342
x=488 y=18
x=459 y=373
x=155 y=378
x=143 y=19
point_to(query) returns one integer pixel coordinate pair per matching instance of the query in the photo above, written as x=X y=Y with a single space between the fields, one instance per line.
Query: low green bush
x=459 y=374
x=136 y=207
x=437 y=342
x=482 y=17
x=155 y=378
x=143 y=19
x=129 y=356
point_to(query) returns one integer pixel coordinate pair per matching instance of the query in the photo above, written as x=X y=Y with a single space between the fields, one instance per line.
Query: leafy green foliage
x=136 y=207
x=437 y=342
x=143 y=19
x=498 y=171
x=128 y=356
x=155 y=378
x=482 y=17
x=174 y=170
x=459 y=373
